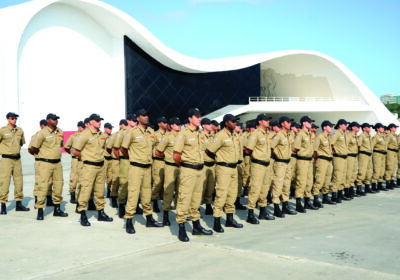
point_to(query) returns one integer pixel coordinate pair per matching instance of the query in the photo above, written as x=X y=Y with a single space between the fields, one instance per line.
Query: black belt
x=49 y=160
x=352 y=155
x=393 y=150
x=172 y=164
x=73 y=156
x=240 y=162
x=36 y=159
x=192 y=166
x=107 y=158
x=157 y=158
x=123 y=157
x=325 y=158
x=340 y=156
x=282 y=160
x=380 y=152
x=225 y=164
x=141 y=165
x=265 y=163
x=294 y=156
x=209 y=163
x=99 y=163
x=303 y=158
x=365 y=153
x=12 y=156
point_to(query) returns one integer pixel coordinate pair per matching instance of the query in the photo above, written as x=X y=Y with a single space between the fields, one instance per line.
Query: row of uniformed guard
x=191 y=165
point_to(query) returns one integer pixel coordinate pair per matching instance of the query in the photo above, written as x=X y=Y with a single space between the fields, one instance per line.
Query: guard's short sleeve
x=126 y=140
x=163 y=143
x=216 y=143
x=297 y=142
x=37 y=142
x=252 y=141
x=118 y=140
x=23 y=139
x=110 y=143
x=275 y=141
x=68 y=145
x=80 y=142
x=180 y=142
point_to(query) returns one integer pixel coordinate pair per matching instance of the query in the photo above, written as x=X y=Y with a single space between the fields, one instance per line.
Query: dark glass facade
x=167 y=92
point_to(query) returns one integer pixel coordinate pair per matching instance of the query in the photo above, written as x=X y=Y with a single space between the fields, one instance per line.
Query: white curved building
x=76 y=57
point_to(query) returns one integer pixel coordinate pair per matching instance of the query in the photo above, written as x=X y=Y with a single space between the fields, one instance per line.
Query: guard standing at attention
x=240 y=166
x=108 y=159
x=391 y=157
x=11 y=140
x=378 y=158
x=364 y=159
x=351 y=170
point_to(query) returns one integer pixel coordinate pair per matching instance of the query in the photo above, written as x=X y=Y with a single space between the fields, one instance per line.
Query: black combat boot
x=199 y=230
x=166 y=221
x=20 y=207
x=308 y=204
x=217 y=225
x=368 y=189
x=182 y=236
x=327 y=200
x=209 y=209
x=121 y=210
x=277 y=211
x=316 y=202
x=73 y=198
x=155 y=206
x=84 y=219
x=49 y=200
x=374 y=187
x=381 y=187
x=139 y=211
x=353 y=192
x=150 y=222
x=335 y=198
x=129 y=226
x=114 y=203
x=347 y=193
x=3 y=209
x=286 y=209
x=299 y=207
x=394 y=185
x=264 y=215
x=398 y=182
x=251 y=219
x=58 y=212
x=238 y=205
x=389 y=186
x=35 y=201
x=108 y=193
x=91 y=205
x=103 y=217
x=40 y=216
x=342 y=196
x=231 y=222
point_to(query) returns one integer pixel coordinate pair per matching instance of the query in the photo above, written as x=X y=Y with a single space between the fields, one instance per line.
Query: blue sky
x=363 y=35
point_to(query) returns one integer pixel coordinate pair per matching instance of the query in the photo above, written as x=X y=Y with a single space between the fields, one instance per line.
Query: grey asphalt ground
x=353 y=240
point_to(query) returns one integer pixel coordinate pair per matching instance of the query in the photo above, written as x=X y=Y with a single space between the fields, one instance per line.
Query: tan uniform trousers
x=79 y=175
x=189 y=197
x=398 y=165
x=50 y=173
x=246 y=171
x=73 y=175
x=108 y=172
x=391 y=163
x=281 y=182
x=310 y=180
x=139 y=183
x=351 y=163
x=115 y=178
x=379 y=161
x=260 y=185
x=209 y=183
x=323 y=176
x=239 y=179
x=293 y=163
x=123 y=181
x=92 y=181
x=339 y=173
x=303 y=172
x=364 y=169
x=10 y=167
x=171 y=186
x=36 y=187
x=157 y=173
x=225 y=190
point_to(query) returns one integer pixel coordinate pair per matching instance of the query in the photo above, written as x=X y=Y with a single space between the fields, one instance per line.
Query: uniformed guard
x=295 y=128
x=259 y=148
x=137 y=146
x=11 y=140
x=240 y=166
x=171 y=180
x=378 y=159
x=189 y=156
x=47 y=146
x=391 y=157
x=157 y=170
x=246 y=159
x=274 y=128
x=351 y=170
x=364 y=159
x=226 y=155
x=108 y=160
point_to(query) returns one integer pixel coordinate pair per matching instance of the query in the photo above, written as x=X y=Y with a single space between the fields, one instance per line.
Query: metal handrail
x=303 y=99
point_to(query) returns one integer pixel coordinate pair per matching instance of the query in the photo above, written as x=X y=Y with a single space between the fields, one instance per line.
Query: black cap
x=306 y=119
x=11 y=115
x=81 y=124
x=174 y=120
x=108 y=125
x=354 y=124
x=123 y=121
x=340 y=122
x=52 y=117
x=215 y=123
x=205 y=121
x=314 y=126
x=162 y=119
x=250 y=125
x=131 y=117
x=141 y=112
x=274 y=123
x=285 y=119
x=392 y=125
x=43 y=122
x=378 y=125
x=193 y=112
x=295 y=124
x=86 y=120
x=229 y=117
x=364 y=125
x=186 y=121
x=326 y=123
x=95 y=117
x=263 y=117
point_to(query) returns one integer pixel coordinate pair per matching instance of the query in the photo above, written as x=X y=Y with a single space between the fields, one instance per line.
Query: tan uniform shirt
x=70 y=140
x=139 y=142
x=49 y=143
x=167 y=146
x=224 y=147
x=31 y=142
x=339 y=143
x=158 y=136
x=108 y=138
x=11 y=140
x=110 y=143
x=239 y=145
x=365 y=142
x=188 y=144
x=303 y=144
x=259 y=143
x=91 y=144
x=281 y=145
x=391 y=140
x=379 y=142
x=206 y=140
x=119 y=138
x=352 y=143
x=323 y=145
